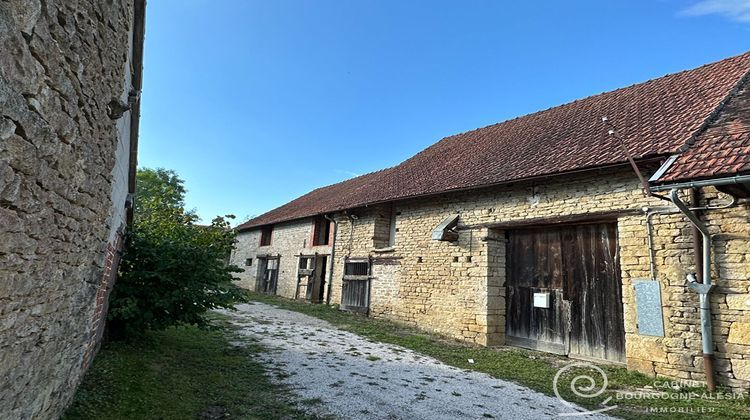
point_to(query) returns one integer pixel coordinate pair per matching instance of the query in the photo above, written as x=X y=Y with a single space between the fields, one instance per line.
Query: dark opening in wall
x=248 y=262
x=321 y=231
x=265 y=235
x=305 y=263
x=356 y=268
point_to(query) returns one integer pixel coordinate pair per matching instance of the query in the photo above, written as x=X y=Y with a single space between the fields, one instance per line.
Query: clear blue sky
x=254 y=103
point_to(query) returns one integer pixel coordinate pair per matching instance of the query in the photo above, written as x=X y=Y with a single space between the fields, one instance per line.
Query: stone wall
x=678 y=354
x=65 y=81
x=246 y=247
x=457 y=289
x=288 y=240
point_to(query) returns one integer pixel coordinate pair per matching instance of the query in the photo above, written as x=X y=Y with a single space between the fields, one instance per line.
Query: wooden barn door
x=355 y=289
x=578 y=266
x=269 y=272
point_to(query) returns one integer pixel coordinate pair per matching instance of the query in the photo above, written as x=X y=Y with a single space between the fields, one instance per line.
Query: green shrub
x=172 y=270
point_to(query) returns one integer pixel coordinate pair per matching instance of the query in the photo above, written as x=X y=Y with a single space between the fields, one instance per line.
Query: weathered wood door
x=318 y=287
x=269 y=272
x=578 y=266
x=355 y=289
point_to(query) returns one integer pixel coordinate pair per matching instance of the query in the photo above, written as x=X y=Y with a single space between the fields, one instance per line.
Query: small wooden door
x=355 y=289
x=306 y=272
x=578 y=266
x=316 y=294
x=311 y=275
x=269 y=272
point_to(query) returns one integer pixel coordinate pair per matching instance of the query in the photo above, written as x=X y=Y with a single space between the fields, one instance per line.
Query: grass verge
x=180 y=373
x=536 y=370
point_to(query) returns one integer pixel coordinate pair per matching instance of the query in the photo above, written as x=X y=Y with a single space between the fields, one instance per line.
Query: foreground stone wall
x=288 y=240
x=65 y=81
x=457 y=289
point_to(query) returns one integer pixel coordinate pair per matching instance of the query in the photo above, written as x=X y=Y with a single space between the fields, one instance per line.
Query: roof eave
x=139 y=32
x=698 y=183
x=644 y=160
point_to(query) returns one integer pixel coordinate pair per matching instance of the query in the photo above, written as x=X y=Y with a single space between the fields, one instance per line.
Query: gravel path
x=340 y=373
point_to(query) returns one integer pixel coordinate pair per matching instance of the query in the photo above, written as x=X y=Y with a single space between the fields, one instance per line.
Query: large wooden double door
x=577 y=265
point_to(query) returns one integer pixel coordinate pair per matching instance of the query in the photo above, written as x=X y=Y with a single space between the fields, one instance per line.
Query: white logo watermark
x=590 y=383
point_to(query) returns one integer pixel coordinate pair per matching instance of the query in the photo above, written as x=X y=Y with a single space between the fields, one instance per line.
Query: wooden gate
x=355 y=288
x=268 y=275
x=306 y=276
x=578 y=266
x=311 y=274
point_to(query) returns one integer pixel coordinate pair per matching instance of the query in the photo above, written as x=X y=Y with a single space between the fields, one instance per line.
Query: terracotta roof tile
x=656 y=118
x=721 y=149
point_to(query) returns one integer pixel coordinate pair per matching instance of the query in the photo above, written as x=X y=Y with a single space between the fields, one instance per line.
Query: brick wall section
x=109 y=274
x=288 y=240
x=61 y=201
x=452 y=295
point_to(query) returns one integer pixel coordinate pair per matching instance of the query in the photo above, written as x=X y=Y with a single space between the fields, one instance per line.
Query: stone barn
x=70 y=82
x=614 y=228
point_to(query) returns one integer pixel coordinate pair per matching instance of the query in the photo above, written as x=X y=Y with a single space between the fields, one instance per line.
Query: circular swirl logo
x=589 y=382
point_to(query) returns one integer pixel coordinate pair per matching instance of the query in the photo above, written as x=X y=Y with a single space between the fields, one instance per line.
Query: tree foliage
x=173 y=270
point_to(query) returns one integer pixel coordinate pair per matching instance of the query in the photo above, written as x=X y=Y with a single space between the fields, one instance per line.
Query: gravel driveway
x=340 y=373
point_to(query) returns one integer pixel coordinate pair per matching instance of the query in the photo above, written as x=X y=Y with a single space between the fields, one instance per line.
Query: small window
x=305 y=263
x=248 y=262
x=357 y=268
x=265 y=236
x=321 y=231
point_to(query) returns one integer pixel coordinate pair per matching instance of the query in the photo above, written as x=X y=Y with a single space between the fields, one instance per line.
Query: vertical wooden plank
x=597 y=347
x=555 y=258
x=615 y=319
x=541 y=263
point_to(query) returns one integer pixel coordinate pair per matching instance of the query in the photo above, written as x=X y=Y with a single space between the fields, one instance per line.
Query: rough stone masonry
x=69 y=98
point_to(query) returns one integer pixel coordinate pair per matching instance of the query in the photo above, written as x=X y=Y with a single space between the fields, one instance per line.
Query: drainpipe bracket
x=700 y=288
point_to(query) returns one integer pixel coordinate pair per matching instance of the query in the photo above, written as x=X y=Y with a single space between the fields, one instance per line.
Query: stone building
x=577 y=230
x=287 y=259
x=70 y=81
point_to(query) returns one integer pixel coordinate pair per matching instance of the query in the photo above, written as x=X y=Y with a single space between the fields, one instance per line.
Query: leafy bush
x=173 y=270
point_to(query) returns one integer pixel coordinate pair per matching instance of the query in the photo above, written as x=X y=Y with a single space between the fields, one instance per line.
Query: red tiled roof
x=656 y=118
x=723 y=149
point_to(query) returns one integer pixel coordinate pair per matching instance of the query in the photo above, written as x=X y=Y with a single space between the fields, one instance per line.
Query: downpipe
x=703 y=290
x=661 y=211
